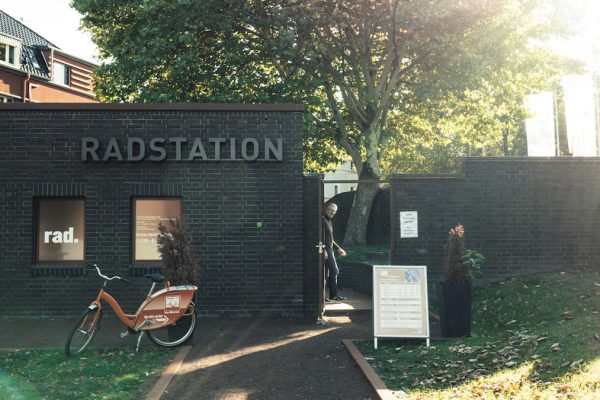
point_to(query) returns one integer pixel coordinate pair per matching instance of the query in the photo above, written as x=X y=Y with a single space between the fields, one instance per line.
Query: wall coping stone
x=154 y=107
x=531 y=159
x=426 y=176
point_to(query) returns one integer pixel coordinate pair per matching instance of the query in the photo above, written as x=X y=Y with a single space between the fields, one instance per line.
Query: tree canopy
x=368 y=70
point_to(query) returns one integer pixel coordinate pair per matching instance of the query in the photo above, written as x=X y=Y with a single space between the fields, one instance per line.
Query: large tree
x=485 y=120
x=357 y=64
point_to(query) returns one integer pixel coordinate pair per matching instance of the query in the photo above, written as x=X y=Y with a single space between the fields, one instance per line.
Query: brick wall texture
x=246 y=270
x=525 y=215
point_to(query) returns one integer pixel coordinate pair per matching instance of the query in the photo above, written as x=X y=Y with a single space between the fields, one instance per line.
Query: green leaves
x=473 y=260
x=398 y=86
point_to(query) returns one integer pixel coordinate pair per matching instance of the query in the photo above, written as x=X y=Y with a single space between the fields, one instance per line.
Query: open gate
x=314 y=300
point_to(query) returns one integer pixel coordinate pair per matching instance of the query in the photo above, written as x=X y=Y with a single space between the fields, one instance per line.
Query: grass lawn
x=533 y=338
x=96 y=374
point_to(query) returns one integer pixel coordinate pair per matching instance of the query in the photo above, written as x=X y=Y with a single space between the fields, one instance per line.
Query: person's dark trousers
x=332 y=273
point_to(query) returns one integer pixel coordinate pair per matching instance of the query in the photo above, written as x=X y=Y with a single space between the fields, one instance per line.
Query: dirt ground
x=265 y=358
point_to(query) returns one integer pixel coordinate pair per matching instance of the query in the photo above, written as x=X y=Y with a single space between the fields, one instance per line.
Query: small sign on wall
x=409 y=224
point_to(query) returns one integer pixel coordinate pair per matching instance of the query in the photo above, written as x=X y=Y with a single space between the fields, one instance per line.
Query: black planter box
x=454 y=300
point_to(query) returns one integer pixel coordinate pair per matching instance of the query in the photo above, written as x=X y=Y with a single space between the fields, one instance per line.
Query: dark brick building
x=234 y=172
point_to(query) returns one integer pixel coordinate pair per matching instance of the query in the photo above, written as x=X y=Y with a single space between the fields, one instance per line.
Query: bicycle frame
x=158 y=310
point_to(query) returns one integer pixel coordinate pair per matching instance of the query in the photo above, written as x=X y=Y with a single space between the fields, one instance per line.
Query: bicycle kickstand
x=137 y=347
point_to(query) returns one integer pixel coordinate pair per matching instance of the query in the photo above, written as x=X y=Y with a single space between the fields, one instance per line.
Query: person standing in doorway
x=330 y=245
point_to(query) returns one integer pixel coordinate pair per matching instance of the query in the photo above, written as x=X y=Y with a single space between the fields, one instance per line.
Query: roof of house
x=32 y=60
x=15 y=28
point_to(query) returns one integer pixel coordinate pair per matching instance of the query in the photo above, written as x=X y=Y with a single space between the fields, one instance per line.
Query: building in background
x=571 y=114
x=32 y=69
x=343 y=179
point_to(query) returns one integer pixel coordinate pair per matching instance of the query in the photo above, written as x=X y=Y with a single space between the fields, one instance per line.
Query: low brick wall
x=356 y=276
x=525 y=215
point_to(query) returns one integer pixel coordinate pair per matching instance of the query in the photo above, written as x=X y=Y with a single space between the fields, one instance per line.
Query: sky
x=56 y=21
x=584 y=15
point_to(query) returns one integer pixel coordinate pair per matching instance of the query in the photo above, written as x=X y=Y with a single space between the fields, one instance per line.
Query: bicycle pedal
x=123 y=334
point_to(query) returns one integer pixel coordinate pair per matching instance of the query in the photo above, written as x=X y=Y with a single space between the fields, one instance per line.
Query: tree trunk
x=356 y=232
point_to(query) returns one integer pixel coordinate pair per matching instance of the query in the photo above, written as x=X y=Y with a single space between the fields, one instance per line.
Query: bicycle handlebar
x=104 y=276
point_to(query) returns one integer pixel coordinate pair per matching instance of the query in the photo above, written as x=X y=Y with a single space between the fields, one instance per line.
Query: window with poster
x=148 y=213
x=60 y=230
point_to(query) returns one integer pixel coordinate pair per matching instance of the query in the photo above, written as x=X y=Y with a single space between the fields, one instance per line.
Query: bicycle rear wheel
x=176 y=334
x=83 y=332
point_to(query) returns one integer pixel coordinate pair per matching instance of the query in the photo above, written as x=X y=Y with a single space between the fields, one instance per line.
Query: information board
x=400 y=303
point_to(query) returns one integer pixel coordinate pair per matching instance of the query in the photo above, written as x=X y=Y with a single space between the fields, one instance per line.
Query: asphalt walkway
x=273 y=359
x=245 y=358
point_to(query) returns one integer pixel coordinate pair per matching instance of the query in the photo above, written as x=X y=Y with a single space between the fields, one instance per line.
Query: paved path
x=273 y=359
x=244 y=358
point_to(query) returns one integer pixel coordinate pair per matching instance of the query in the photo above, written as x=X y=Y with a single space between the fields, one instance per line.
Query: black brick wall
x=356 y=276
x=245 y=270
x=525 y=215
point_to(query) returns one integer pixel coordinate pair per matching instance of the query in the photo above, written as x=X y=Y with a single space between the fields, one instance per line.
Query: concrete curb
x=159 y=388
x=383 y=393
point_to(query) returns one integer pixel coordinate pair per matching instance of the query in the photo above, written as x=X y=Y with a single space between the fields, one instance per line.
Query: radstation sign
x=181 y=149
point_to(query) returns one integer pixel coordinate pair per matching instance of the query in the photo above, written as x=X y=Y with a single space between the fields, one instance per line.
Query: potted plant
x=179 y=263
x=454 y=293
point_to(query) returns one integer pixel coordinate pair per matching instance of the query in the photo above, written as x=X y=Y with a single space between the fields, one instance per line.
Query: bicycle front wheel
x=83 y=332
x=176 y=334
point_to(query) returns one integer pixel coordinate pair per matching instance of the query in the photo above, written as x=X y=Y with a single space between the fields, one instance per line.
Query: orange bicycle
x=169 y=315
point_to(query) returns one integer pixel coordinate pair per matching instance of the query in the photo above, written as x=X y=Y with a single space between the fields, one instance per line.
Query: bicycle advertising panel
x=165 y=307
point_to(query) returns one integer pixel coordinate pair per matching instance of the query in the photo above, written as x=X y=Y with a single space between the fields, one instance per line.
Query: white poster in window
x=149 y=213
x=409 y=224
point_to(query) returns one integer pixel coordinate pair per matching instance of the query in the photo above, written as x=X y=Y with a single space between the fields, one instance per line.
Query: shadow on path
x=267 y=358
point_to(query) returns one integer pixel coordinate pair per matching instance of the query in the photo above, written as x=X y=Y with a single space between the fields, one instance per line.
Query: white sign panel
x=409 y=224
x=400 y=304
x=540 y=125
x=580 y=113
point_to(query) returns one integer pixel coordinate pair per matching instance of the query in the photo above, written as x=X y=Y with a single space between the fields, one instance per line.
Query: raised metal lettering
x=112 y=150
x=89 y=145
x=178 y=141
x=160 y=153
x=197 y=150
x=141 y=149
x=217 y=142
x=271 y=149
x=245 y=155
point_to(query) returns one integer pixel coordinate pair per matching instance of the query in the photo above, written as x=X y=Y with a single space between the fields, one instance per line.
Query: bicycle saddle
x=156 y=277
